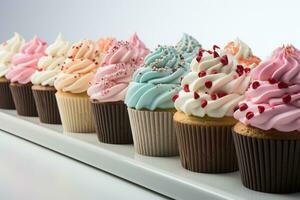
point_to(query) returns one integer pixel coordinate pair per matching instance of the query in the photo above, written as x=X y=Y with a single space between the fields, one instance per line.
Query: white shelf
x=163 y=175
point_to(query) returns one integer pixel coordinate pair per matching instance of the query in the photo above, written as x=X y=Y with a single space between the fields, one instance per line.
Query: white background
x=264 y=25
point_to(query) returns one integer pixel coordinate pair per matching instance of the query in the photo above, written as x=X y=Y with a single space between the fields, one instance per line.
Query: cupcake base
x=75 y=112
x=112 y=122
x=268 y=160
x=206 y=144
x=23 y=99
x=153 y=132
x=6 y=99
x=46 y=104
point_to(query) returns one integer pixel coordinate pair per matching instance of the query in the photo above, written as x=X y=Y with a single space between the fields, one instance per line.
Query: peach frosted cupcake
x=7 y=50
x=72 y=83
x=24 y=64
x=108 y=90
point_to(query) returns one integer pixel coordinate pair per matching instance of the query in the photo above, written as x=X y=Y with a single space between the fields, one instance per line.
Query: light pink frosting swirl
x=24 y=64
x=273 y=98
x=112 y=79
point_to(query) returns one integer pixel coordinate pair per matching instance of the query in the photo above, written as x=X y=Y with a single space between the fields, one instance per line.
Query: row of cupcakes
x=174 y=100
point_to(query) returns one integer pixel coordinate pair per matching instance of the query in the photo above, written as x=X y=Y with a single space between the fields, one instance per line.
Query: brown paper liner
x=206 y=149
x=112 y=122
x=46 y=104
x=268 y=165
x=153 y=132
x=6 y=99
x=75 y=112
x=23 y=99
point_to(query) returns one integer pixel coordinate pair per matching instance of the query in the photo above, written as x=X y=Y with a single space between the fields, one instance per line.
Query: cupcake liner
x=153 y=132
x=268 y=165
x=6 y=99
x=23 y=99
x=46 y=105
x=112 y=122
x=206 y=149
x=75 y=112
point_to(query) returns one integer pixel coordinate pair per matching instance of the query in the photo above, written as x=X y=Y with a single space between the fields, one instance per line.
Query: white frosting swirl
x=50 y=65
x=7 y=50
x=213 y=87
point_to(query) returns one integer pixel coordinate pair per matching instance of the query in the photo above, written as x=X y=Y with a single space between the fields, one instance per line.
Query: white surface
x=164 y=175
x=30 y=172
x=263 y=24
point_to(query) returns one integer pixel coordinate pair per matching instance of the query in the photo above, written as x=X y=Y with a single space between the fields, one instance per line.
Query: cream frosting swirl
x=214 y=86
x=79 y=68
x=50 y=65
x=7 y=50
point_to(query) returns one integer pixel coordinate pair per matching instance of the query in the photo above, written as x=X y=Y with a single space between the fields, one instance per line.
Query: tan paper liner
x=206 y=149
x=75 y=113
x=112 y=122
x=268 y=165
x=153 y=132
x=46 y=106
x=6 y=99
x=23 y=99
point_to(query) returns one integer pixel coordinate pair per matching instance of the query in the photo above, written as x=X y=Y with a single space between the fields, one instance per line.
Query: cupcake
x=188 y=47
x=108 y=90
x=7 y=50
x=24 y=64
x=267 y=136
x=150 y=105
x=205 y=105
x=43 y=81
x=72 y=84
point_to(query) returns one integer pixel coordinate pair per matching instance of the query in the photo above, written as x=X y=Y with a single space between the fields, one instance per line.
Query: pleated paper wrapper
x=46 y=105
x=75 y=113
x=23 y=99
x=153 y=132
x=6 y=99
x=112 y=122
x=268 y=165
x=206 y=149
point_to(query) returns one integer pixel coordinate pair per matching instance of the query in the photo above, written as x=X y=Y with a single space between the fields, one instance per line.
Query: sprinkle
x=175 y=97
x=286 y=98
x=243 y=107
x=239 y=70
x=216 y=54
x=255 y=84
x=249 y=115
x=186 y=88
x=201 y=74
x=247 y=70
x=196 y=95
x=213 y=96
x=261 y=109
x=272 y=81
x=235 y=108
x=208 y=84
x=221 y=94
x=203 y=103
x=214 y=71
x=198 y=58
x=224 y=60
x=209 y=51
x=215 y=47
x=282 y=85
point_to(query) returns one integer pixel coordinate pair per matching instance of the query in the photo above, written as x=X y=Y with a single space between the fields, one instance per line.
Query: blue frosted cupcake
x=188 y=46
x=150 y=104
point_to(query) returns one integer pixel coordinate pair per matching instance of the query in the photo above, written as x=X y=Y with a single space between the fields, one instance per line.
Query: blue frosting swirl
x=154 y=84
x=188 y=46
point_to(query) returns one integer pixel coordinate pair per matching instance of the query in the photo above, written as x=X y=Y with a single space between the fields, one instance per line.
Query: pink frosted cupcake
x=24 y=64
x=108 y=90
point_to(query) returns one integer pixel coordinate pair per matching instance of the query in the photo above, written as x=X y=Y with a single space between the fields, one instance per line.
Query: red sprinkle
x=235 y=108
x=247 y=70
x=208 y=84
x=221 y=94
x=255 y=84
x=261 y=109
x=203 y=103
x=286 y=98
x=196 y=95
x=224 y=60
x=243 y=107
x=214 y=71
x=186 y=88
x=201 y=74
x=175 y=97
x=249 y=115
x=282 y=85
x=198 y=58
x=209 y=51
x=272 y=81
x=216 y=54
x=213 y=96
x=239 y=70
x=215 y=47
